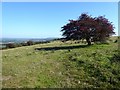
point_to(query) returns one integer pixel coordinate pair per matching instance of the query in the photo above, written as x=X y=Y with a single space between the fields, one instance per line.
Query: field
x=61 y=65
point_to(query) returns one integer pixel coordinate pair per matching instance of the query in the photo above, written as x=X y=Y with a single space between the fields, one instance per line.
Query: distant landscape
x=4 y=41
x=19 y=40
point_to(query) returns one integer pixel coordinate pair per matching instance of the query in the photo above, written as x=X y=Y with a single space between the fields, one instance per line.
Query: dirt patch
x=5 y=78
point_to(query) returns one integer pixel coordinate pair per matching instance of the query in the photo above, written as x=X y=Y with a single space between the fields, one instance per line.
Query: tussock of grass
x=59 y=64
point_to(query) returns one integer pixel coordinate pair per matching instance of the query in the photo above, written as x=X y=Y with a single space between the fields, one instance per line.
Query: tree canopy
x=88 y=27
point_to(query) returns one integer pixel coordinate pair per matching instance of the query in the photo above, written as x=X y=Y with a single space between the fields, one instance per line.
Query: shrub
x=38 y=42
x=10 y=45
x=30 y=43
x=24 y=44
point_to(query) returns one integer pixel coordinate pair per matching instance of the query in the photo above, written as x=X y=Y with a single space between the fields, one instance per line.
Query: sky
x=45 y=19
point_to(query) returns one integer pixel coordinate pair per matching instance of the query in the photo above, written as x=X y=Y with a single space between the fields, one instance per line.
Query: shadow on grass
x=62 y=47
x=115 y=58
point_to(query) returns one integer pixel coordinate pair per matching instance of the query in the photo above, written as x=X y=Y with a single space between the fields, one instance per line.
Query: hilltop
x=57 y=64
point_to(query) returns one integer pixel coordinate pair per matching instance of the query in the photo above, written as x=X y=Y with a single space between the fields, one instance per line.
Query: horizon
x=39 y=37
x=45 y=19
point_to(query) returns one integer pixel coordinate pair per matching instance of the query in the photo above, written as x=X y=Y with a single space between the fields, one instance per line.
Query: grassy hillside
x=59 y=64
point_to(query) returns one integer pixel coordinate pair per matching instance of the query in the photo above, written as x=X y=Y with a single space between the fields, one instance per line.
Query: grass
x=61 y=65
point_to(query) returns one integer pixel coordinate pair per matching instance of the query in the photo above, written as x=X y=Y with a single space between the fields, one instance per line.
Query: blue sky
x=45 y=19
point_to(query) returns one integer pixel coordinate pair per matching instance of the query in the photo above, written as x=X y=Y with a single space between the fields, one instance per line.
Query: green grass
x=80 y=67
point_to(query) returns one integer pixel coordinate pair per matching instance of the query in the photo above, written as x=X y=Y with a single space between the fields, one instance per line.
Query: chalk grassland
x=60 y=65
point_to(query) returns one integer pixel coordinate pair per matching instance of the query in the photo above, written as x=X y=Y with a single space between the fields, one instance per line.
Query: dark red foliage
x=87 y=27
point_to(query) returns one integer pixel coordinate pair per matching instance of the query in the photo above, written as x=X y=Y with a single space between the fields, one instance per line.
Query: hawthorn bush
x=89 y=28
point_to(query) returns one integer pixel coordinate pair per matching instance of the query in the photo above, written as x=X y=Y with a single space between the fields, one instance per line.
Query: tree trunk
x=88 y=41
